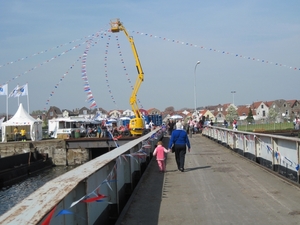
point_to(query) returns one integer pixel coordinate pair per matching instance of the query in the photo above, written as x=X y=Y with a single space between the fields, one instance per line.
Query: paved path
x=217 y=187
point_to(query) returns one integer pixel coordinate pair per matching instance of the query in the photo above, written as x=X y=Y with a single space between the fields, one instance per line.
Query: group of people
x=179 y=143
x=191 y=126
x=105 y=130
x=17 y=134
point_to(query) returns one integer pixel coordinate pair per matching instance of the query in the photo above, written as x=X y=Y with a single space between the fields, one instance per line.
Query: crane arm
x=117 y=26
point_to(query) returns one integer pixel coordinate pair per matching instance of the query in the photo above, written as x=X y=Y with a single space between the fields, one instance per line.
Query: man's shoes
x=181 y=169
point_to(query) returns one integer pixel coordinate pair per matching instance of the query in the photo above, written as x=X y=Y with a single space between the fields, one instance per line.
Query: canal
x=10 y=196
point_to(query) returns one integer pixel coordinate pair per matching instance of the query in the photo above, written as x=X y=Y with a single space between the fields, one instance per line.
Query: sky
x=249 y=47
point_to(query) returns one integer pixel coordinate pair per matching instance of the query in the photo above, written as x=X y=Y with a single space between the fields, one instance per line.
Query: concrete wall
x=56 y=149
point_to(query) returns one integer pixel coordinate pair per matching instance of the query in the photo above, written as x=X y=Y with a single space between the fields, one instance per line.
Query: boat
x=19 y=167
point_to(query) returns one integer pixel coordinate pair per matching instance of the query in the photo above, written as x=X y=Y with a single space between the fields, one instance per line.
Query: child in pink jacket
x=159 y=152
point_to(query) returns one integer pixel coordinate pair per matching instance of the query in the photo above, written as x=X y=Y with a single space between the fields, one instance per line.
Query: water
x=10 y=196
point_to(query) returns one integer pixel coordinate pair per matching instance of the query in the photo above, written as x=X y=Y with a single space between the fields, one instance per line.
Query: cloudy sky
x=250 y=47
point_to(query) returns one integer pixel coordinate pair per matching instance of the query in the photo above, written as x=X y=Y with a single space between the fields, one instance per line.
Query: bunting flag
x=49 y=217
x=111 y=177
x=60 y=80
x=124 y=68
x=216 y=50
x=106 y=71
x=47 y=50
x=3 y=89
x=278 y=155
x=86 y=87
x=98 y=197
x=41 y=64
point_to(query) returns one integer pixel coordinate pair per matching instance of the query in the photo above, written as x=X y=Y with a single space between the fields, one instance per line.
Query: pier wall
x=63 y=152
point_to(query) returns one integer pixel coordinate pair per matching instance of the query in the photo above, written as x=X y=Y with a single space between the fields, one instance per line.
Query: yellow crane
x=136 y=125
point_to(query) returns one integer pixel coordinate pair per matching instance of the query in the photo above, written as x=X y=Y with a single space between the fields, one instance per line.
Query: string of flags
x=95 y=196
x=43 y=63
x=125 y=69
x=60 y=81
x=218 y=51
x=45 y=51
x=278 y=155
x=269 y=149
x=106 y=71
x=89 y=97
x=86 y=87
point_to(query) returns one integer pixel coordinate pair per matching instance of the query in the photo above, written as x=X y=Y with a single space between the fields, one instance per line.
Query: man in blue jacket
x=180 y=140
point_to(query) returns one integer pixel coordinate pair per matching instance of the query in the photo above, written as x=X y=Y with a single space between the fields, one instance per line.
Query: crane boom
x=136 y=125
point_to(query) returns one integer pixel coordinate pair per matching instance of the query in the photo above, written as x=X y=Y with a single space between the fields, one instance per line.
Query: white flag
x=3 y=89
x=22 y=91
x=14 y=92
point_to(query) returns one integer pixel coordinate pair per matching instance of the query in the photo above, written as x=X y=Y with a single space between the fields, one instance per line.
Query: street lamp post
x=195 y=97
x=233 y=92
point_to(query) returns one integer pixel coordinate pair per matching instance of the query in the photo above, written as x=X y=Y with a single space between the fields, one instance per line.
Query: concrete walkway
x=217 y=187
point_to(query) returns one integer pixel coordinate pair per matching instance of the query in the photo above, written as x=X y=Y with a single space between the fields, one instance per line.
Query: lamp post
x=233 y=92
x=195 y=98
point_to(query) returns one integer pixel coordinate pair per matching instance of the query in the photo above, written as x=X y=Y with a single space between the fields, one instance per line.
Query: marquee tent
x=22 y=120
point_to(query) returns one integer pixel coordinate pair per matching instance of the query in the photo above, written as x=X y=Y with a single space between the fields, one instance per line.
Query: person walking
x=159 y=152
x=180 y=140
x=170 y=126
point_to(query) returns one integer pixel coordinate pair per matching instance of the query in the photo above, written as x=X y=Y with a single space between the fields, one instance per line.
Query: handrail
x=67 y=188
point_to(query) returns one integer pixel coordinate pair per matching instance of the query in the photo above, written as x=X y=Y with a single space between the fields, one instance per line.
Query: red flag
x=49 y=217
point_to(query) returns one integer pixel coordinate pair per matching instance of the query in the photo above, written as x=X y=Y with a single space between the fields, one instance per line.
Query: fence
x=92 y=193
x=278 y=153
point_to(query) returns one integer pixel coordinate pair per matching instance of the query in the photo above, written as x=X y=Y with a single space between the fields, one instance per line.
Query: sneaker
x=181 y=169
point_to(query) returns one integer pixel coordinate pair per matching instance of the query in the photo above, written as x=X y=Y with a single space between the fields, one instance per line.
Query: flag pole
x=27 y=98
x=7 y=103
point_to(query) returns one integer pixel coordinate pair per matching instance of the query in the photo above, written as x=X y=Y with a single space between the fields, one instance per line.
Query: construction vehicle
x=137 y=124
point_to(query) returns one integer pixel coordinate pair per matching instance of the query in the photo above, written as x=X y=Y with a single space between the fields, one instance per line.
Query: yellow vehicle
x=136 y=125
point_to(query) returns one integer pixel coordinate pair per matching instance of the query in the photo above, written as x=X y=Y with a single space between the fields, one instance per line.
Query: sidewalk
x=217 y=187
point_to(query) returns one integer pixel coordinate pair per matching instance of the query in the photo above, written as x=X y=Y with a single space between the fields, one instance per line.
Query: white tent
x=22 y=120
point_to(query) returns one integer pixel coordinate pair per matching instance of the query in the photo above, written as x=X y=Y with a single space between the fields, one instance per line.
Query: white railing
x=278 y=153
x=95 y=191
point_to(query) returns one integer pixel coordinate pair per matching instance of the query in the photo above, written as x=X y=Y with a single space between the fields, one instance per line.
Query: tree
x=170 y=110
x=250 y=117
x=232 y=114
x=37 y=112
x=272 y=115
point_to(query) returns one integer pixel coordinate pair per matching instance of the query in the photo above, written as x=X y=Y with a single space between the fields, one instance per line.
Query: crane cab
x=115 y=25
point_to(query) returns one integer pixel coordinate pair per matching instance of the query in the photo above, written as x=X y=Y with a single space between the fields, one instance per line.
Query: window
x=262 y=106
x=264 y=113
x=286 y=112
x=84 y=112
x=284 y=105
x=274 y=106
x=244 y=114
x=51 y=113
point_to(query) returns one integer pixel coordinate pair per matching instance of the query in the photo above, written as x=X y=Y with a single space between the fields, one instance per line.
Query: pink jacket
x=160 y=151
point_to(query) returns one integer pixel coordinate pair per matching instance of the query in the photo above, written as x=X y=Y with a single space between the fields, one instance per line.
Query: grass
x=266 y=127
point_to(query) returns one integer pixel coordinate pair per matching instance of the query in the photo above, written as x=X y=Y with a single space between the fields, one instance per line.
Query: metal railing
x=95 y=191
x=278 y=153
